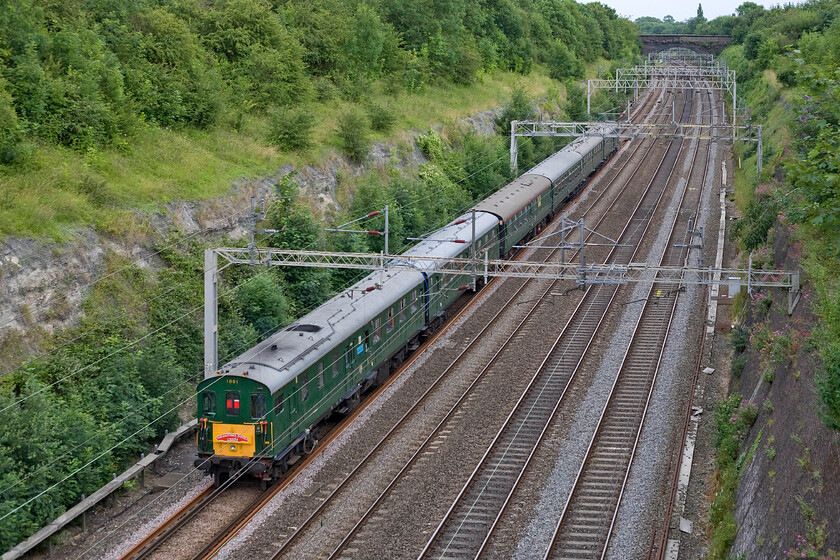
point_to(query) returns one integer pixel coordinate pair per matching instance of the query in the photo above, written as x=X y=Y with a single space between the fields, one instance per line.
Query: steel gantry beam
x=720 y=73
x=683 y=56
x=630 y=130
x=481 y=265
x=589 y=274
x=636 y=83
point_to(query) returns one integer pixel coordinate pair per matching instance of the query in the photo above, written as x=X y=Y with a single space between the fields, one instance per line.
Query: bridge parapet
x=705 y=44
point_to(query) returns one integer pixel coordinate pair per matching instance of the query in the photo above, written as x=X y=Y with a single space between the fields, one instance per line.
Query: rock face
x=44 y=283
x=35 y=277
x=789 y=490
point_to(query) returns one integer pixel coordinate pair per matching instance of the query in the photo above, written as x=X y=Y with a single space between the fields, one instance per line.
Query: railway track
x=419 y=453
x=469 y=524
x=659 y=536
x=587 y=521
x=230 y=504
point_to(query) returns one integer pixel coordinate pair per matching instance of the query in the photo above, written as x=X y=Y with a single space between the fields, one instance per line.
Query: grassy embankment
x=64 y=189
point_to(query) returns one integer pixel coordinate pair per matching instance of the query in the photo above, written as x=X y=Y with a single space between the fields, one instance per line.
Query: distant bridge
x=705 y=44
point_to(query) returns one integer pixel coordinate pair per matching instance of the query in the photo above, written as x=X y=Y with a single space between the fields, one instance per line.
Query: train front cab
x=235 y=430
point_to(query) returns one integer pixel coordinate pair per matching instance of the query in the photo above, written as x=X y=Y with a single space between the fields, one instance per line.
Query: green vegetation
x=697 y=25
x=786 y=60
x=733 y=419
x=151 y=101
x=353 y=131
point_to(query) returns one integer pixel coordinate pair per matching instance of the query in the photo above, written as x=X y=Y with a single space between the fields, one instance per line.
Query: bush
x=10 y=131
x=381 y=117
x=828 y=385
x=353 y=133
x=738 y=365
x=276 y=76
x=519 y=108
x=290 y=128
x=575 y=102
x=562 y=63
x=740 y=338
x=758 y=218
x=353 y=89
x=263 y=304
x=325 y=89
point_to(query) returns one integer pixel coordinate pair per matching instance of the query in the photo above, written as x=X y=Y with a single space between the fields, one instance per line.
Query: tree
x=519 y=108
x=700 y=18
x=10 y=131
x=262 y=302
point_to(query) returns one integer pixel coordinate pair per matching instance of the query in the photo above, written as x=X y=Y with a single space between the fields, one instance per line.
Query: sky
x=682 y=9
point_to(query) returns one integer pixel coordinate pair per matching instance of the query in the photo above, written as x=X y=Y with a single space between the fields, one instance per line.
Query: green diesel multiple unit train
x=261 y=411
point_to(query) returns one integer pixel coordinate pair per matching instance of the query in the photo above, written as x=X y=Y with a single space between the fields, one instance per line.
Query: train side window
x=304 y=389
x=335 y=363
x=402 y=310
x=278 y=403
x=389 y=326
x=320 y=375
x=414 y=302
x=209 y=403
x=348 y=357
x=257 y=406
x=376 y=325
x=232 y=403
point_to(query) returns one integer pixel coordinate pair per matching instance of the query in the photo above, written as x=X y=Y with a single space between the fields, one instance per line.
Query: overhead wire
x=243 y=471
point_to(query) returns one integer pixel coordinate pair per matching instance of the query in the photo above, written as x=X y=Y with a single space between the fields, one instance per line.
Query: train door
x=282 y=420
x=502 y=241
x=295 y=406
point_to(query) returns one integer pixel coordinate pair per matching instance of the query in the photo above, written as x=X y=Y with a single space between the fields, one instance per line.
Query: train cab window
x=335 y=363
x=304 y=388
x=257 y=406
x=232 y=403
x=209 y=403
x=389 y=326
x=278 y=403
x=320 y=375
x=402 y=310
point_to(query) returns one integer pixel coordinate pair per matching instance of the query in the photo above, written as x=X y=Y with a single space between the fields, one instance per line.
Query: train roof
x=555 y=165
x=286 y=354
x=505 y=202
x=441 y=242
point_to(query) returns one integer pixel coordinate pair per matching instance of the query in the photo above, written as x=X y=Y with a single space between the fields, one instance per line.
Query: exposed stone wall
x=44 y=283
x=790 y=489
